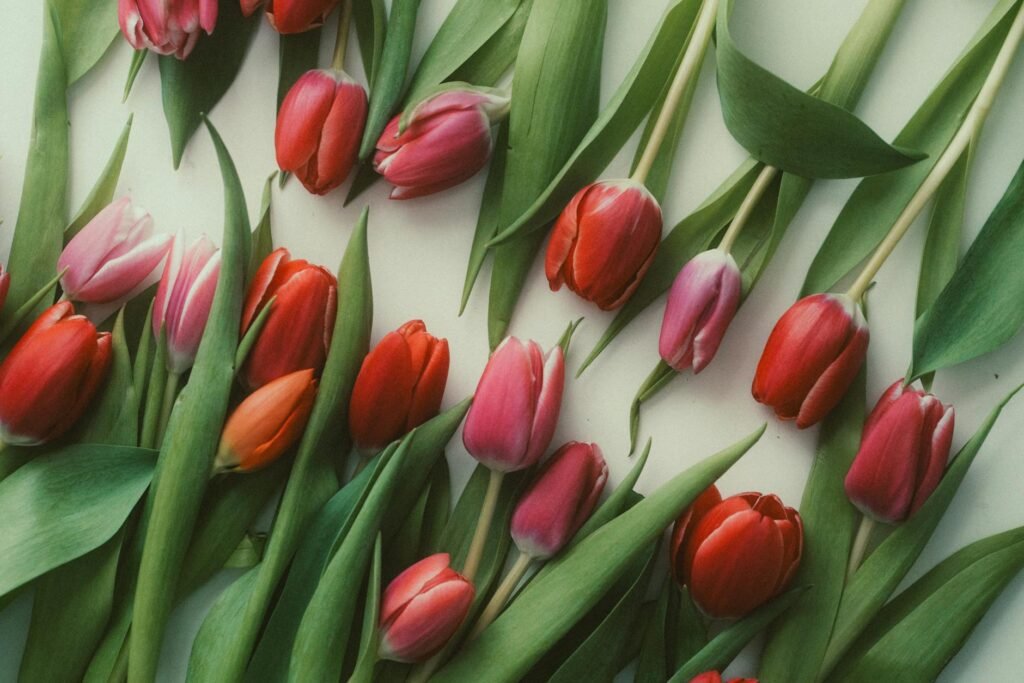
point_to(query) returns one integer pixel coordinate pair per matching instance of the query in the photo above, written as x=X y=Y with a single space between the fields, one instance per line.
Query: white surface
x=419 y=248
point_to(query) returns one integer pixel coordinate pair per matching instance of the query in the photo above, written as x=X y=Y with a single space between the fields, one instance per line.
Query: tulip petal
x=936 y=439
x=382 y=393
x=257 y=296
x=427 y=621
x=120 y=277
x=548 y=403
x=339 y=138
x=409 y=583
x=301 y=119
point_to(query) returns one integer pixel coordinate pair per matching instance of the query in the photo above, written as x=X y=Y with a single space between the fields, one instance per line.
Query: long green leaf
x=368 y=641
x=492 y=61
x=371 y=21
x=86 y=29
x=103 y=191
x=487 y=221
x=262 y=234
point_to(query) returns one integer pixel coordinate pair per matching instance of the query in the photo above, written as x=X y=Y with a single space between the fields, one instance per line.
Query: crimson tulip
x=715 y=677
x=297 y=331
x=811 y=358
x=50 y=376
x=736 y=554
x=183 y=299
x=292 y=16
x=167 y=27
x=604 y=241
x=5 y=285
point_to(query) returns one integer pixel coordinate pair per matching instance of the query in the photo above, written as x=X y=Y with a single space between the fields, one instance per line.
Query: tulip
x=516 y=406
x=399 y=387
x=319 y=127
x=184 y=298
x=50 y=376
x=811 y=358
x=903 y=453
x=113 y=256
x=5 y=284
x=297 y=331
x=292 y=16
x=559 y=500
x=715 y=677
x=422 y=608
x=447 y=140
x=267 y=423
x=167 y=27
x=736 y=554
x=604 y=241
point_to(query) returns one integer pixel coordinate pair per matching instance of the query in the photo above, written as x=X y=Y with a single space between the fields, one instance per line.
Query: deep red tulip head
x=184 y=298
x=903 y=453
x=811 y=358
x=399 y=387
x=559 y=500
x=319 y=127
x=50 y=376
x=516 y=405
x=447 y=140
x=293 y=16
x=422 y=608
x=5 y=285
x=604 y=241
x=715 y=677
x=167 y=27
x=297 y=331
x=736 y=554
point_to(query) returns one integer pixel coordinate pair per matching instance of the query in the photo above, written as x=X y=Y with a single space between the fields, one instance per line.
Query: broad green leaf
x=581 y=576
x=86 y=29
x=297 y=54
x=490 y=208
x=102 y=192
x=371 y=19
x=493 y=60
x=262 y=234
x=368 y=641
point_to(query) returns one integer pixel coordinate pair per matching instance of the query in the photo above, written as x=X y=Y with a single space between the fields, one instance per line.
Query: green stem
x=860 y=545
x=341 y=42
x=502 y=594
x=483 y=525
x=757 y=190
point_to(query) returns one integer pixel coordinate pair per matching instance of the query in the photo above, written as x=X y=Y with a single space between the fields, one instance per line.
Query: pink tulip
x=184 y=298
x=167 y=27
x=114 y=255
x=559 y=500
x=516 y=405
x=5 y=284
x=701 y=304
x=448 y=139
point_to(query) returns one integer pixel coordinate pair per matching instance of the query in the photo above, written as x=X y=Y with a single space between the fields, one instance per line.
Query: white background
x=418 y=252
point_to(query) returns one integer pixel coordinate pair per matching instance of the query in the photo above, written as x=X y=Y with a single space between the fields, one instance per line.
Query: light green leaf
x=138 y=59
x=297 y=54
x=86 y=29
x=262 y=234
x=102 y=192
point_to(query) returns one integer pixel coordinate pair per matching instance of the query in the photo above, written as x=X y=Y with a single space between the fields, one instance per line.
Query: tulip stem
x=483 y=525
x=967 y=131
x=170 y=394
x=341 y=42
x=688 y=67
x=502 y=594
x=757 y=190
x=860 y=545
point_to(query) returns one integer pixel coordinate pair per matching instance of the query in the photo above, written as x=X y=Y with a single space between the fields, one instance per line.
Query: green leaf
x=138 y=59
x=487 y=221
x=297 y=54
x=371 y=19
x=192 y=87
x=651 y=666
x=617 y=502
x=102 y=192
x=498 y=54
x=690 y=634
x=86 y=29
x=437 y=510
x=581 y=576
x=659 y=378
x=88 y=491
x=114 y=419
x=371 y=615
x=262 y=235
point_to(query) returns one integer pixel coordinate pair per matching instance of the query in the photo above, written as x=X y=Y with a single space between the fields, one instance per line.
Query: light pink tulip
x=114 y=256
x=516 y=405
x=447 y=141
x=701 y=304
x=184 y=298
x=167 y=27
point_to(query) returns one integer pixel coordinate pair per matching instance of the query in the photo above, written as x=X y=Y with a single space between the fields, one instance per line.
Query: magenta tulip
x=5 y=284
x=167 y=27
x=184 y=298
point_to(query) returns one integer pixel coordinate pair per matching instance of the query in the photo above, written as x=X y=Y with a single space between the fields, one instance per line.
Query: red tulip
x=297 y=331
x=736 y=554
x=399 y=387
x=5 y=284
x=422 y=608
x=903 y=453
x=715 y=677
x=811 y=358
x=167 y=27
x=559 y=500
x=604 y=242
x=50 y=376
x=319 y=127
x=293 y=16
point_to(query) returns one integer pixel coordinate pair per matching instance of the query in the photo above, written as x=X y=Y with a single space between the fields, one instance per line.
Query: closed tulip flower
x=399 y=387
x=811 y=358
x=292 y=16
x=715 y=677
x=604 y=241
x=701 y=304
x=184 y=298
x=560 y=500
x=167 y=27
x=297 y=331
x=50 y=376
x=319 y=127
x=267 y=423
x=422 y=608
x=516 y=405
x=447 y=140
x=736 y=554
x=903 y=453
x=5 y=284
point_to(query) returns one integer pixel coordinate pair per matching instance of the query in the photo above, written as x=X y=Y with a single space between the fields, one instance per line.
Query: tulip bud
x=267 y=423
x=399 y=387
x=184 y=298
x=167 y=27
x=50 y=376
x=5 y=284
x=559 y=500
x=319 y=127
x=715 y=677
x=114 y=255
x=604 y=241
x=903 y=453
x=736 y=554
x=422 y=608
x=447 y=140
x=701 y=304
x=811 y=358
x=297 y=331
x=293 y=16
x=515 y=409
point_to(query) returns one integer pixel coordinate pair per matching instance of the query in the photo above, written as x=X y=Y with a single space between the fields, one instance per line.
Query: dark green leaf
x=371 y=19
x=688 y=632
x=262 y=234
x=114 y=418
x=490 y=207
x=86 y=29
x=102 y=192
x=297 y=54
x=437 y=510
x=652 y=665
x=138 y=59
x=498 y=54
x=371 y=614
